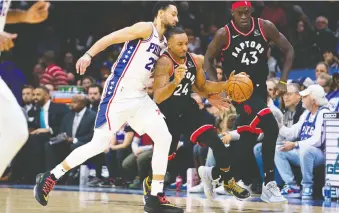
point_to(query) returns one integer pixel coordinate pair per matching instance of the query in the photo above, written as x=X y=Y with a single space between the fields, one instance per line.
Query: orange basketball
x=239 y=88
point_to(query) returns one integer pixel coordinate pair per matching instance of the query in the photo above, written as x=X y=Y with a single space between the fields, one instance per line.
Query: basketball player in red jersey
x=243 y=45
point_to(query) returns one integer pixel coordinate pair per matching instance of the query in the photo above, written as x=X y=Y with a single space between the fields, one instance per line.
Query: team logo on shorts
x=247 y=109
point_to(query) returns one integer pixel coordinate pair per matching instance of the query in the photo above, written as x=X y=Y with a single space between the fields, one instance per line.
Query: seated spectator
x=86 y=82
x=306 y=150
x=53 y=74
x=333 y=96
x=78 y=125
x=94 y=97
x=293 y=105
x=46 y=125
x=331 y=60
x=325 y=80
x=139 y=160
x=321 y=68
x=272 y=91
x=29 y=106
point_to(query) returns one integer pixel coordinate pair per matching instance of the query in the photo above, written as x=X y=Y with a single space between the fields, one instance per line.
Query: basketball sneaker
x=236 y=190
x=160 y=204
x=205 y=174
x=271 y=193
x=291 y=191
x=45 y=182
x=157 y=204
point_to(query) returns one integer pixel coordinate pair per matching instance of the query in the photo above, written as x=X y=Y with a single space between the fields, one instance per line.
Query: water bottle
x=327 y=191
x=178 y=183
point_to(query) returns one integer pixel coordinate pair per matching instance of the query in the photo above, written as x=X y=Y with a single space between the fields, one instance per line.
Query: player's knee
x=207 y=137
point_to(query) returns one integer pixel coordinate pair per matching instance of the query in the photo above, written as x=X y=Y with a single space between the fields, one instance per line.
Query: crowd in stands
x=38 y=67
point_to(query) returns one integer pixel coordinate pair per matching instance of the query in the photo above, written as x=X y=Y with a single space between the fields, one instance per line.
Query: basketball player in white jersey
x=125 y=100
x=13 y=124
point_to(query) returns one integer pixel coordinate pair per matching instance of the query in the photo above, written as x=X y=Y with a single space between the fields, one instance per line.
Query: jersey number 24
x=181 y=90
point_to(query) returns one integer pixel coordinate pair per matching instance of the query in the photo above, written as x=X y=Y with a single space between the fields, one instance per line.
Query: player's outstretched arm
x=201 y=83
x=37 y=13
x=162 y=86
x=213 y=50
x=140 y=30
x=272 y=33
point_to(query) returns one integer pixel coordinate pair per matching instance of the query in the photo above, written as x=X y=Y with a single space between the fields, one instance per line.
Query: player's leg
x=148 y=119
x=175 y=132
x=205 y=134
x=270 y=190
x=211 y=175
x=13 y=126
x=102 y=136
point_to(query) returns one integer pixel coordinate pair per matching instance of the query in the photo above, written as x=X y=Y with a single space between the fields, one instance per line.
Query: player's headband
x=241 y=4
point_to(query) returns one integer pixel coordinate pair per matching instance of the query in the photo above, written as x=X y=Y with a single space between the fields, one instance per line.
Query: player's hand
x=219 y=102
x=82 y=64
x=281 y=88
x=37 y=13
x=179 y=73
x=239 y=74
x=6 y=41
x=287 y=146
x=226 y=139
x=39 y=131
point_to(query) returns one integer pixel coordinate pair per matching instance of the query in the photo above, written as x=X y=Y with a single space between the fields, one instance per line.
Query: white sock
x=157 y=187
x=58 y=171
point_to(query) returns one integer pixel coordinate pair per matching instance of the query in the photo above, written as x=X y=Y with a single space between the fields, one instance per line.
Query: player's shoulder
x=144 y=27
x=199 y=59
x=163 y=64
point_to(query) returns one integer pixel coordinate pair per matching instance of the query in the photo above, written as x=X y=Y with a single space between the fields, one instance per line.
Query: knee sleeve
x=162 y=141
x=101 y=138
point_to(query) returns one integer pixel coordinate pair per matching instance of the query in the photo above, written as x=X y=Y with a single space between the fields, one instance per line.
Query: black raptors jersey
x=181 y=96
x=246 y=52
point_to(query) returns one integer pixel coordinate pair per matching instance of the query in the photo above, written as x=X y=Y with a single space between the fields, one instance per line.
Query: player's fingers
x=232 y=73
x=77 y=66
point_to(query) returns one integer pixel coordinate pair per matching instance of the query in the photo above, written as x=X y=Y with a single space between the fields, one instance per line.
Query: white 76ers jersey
x=134 y=65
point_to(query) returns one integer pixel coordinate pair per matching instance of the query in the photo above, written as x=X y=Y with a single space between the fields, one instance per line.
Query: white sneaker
x=221 y=191
x=271 y=193
x=197 y=189
x=205 y=174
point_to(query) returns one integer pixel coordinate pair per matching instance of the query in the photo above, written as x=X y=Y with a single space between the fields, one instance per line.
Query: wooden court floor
x=15 y=200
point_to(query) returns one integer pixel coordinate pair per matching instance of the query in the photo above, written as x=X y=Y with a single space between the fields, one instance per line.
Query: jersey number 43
x=249 y=58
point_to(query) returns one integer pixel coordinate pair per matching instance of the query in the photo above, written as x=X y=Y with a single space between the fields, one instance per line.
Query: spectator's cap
x=304 y=81
x=317 y=92
x=107 y=65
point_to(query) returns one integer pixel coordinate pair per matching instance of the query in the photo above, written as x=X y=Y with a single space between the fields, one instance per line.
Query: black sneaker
x=107 y=183
x=234 y=189
x=146 y=186
x=160 y=204
x=119 y=182
x=45 y=182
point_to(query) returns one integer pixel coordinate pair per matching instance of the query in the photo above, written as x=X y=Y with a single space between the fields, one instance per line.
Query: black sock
x=269 y=176
x=215 y=173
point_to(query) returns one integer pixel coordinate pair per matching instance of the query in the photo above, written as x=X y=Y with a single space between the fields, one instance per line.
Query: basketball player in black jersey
x=242 y=45
x=177 y=73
